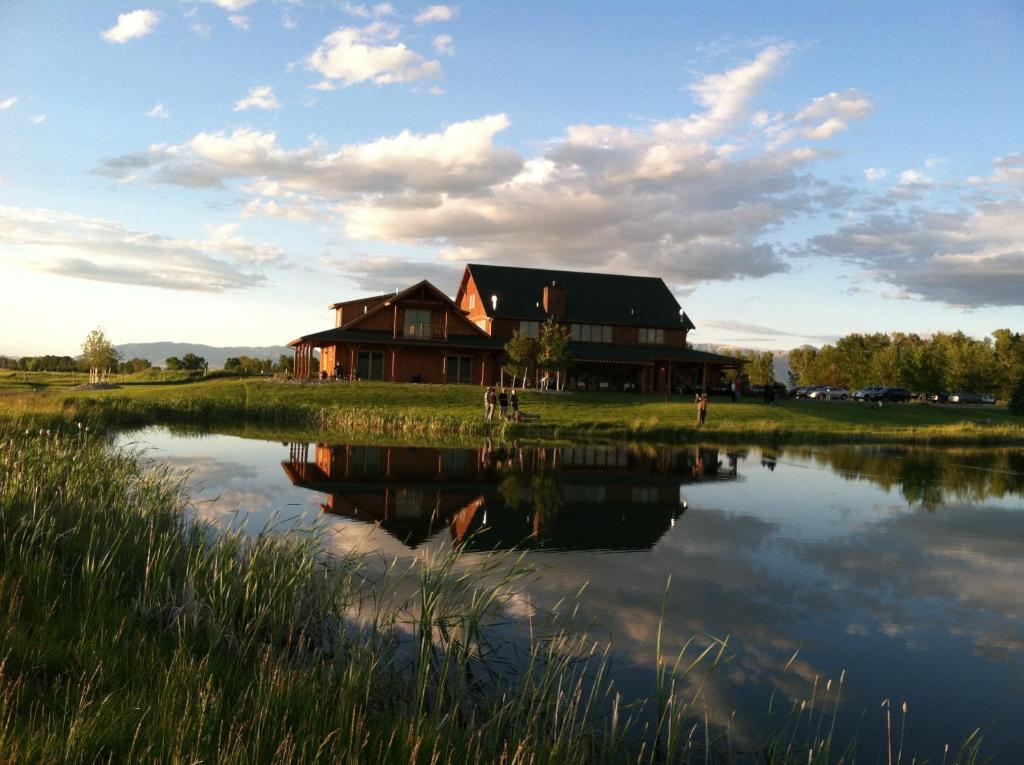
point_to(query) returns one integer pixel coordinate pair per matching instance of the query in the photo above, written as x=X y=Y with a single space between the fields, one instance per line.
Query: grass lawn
x=457 y=410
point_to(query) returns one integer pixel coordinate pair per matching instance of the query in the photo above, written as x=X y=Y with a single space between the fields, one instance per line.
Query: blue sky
x=221 y=171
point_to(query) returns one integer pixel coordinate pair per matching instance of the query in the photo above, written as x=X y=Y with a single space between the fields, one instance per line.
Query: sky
x=221 y=171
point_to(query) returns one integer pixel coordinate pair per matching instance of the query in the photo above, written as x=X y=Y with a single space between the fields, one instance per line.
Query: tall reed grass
x=131 y=632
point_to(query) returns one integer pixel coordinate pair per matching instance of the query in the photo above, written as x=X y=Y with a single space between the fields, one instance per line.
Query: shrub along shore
x=131 y=632
x=456 y=412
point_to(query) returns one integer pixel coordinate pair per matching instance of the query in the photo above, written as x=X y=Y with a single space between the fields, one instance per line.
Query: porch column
x=704 y=385
x=444 y=365
x=394 y=362
x=352 y=365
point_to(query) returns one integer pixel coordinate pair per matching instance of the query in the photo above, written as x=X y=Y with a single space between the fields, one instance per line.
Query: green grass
x=131 y=633
x=441 y=411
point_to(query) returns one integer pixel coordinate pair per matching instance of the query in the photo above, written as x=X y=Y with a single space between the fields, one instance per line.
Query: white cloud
x=821 y=119
x=258 y=97
x=659 y=199
x=972 y=257
x=288 y=21
x=233 y=6
x=238 y=21
x=875 y=173
x=38 y=119
x=354 y=55
x=7 y=103
x=726 y=95
x=159 y=112
x=131 y=25
x=912 y=176
x=202 y=31
x=443 y=45
x=436 y=13
x=100 y=250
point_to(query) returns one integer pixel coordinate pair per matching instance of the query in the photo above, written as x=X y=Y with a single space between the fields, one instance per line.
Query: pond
x=903 y=568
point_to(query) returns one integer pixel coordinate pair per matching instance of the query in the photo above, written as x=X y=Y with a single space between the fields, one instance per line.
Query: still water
x=903 y=567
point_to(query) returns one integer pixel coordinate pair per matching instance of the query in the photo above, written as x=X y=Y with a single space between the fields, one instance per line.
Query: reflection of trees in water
x=928 y=477
x=547 y=497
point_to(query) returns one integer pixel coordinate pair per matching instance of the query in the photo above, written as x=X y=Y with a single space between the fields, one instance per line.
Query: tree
x=553 y=351
x=173 y=364
x=803 y=363
x=520 y=352
x=761 y=369
x=192 y=362
x=133 y=365
x=285 y=363
x=98 y=353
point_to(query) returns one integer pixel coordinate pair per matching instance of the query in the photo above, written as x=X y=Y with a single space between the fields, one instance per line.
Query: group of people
x=502 y=400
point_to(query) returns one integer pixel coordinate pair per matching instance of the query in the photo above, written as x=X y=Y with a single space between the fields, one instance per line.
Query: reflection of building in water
x=600 y=497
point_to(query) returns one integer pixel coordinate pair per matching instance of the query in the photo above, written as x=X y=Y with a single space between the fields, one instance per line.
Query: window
x=370 y=365
x=591 y=333
x=529 y=328
x=460 y=369
x=417 y=322
x=456 y=461
x=409 y=503
x=365 y=459
x=652 y=336
x=584 y=494
x=472 y=301
x=644 y=495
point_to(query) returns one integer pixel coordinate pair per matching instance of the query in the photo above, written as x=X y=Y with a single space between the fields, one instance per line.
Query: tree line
x=943 y=362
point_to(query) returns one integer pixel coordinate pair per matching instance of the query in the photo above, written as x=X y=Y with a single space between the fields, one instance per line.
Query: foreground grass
x=129 y=633
x=446 y=411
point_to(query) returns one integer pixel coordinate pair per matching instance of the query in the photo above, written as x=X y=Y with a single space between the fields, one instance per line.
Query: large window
x=366 y=459
x=417 y=322
x=652 y=336
x=529 y=328
x=472 y=301
x=460 y=369
x=591 y=333
x=370 y=365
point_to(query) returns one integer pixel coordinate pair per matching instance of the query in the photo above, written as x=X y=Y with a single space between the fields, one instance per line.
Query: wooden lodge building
x=628 y=333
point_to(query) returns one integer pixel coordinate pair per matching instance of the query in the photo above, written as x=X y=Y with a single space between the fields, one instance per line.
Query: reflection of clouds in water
x=910 y=603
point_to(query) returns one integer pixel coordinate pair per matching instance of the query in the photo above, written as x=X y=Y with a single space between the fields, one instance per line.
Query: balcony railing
x=423 y=331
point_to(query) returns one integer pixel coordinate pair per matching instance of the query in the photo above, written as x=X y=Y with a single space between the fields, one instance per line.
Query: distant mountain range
x=157 y=353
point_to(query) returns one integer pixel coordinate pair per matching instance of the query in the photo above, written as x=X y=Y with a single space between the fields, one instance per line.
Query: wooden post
x=394 y=361
x=444 y=365
x=704 y=385
x=352 y=365
x=394 y=332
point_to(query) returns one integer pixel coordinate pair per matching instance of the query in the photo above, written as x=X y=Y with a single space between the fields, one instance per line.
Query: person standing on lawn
x=513 y=400
x=489 y=399
x=503 y=403
x=702 y=408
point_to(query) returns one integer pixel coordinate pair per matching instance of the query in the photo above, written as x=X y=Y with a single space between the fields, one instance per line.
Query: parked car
x=867 y=394
x=987 y=398
x=828 y=393
x=938 y=398
x=964 y=397
x=894 y=394
x=800 y=392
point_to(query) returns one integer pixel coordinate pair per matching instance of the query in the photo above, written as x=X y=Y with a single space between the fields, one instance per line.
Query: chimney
x=554 y=300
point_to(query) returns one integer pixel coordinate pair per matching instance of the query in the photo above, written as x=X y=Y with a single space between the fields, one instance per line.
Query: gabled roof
x=355 y=301
x=641 y=301
x=335 y=332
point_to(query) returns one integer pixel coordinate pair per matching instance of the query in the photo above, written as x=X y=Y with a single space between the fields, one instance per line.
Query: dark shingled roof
x=639 y=301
